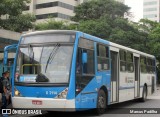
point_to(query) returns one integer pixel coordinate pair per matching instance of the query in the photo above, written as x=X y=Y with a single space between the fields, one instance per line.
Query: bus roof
x=131 y=50
x=50 y=32
x=74 y=32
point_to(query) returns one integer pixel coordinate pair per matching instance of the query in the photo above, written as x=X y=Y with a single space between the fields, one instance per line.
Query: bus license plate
x=36 y=102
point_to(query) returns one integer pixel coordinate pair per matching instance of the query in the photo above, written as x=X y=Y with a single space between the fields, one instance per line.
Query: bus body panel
x=44 y=103
x=87 y=98
x=147 y=79
x=126 y=86
x=71 y=90
x=39 y=92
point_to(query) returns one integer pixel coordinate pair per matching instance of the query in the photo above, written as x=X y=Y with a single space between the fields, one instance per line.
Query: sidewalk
x=155 y=95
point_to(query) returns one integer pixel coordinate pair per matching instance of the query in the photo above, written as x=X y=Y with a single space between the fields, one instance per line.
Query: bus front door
x=114 y=76
x=137 y=75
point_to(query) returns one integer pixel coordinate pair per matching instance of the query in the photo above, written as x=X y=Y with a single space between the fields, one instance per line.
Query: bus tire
x=144 y=94
x=101 y=102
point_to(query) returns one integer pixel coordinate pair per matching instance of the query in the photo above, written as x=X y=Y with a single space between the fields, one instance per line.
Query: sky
x=136 y=8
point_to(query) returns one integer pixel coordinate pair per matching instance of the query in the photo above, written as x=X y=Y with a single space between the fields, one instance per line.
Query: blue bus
x=68 y=70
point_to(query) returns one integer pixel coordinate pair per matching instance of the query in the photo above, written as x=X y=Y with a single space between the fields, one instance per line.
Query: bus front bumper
x=43 y=103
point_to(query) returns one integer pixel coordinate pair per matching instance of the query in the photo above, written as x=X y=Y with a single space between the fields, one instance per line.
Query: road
x=116 y=110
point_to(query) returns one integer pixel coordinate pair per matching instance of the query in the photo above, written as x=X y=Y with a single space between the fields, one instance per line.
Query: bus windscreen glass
x=44 y=63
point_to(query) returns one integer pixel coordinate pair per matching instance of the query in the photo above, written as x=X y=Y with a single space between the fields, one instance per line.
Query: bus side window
x=87 y=46
x=79 y=61
x=129 y=59
x=150 y=65
x=85 y=70
x=88 y=68
x=153 y=66
x=122 y=60
x=143 y=64
x=102 y=57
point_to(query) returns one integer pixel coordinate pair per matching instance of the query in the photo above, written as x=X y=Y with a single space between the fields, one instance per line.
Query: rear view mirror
x=84 y=57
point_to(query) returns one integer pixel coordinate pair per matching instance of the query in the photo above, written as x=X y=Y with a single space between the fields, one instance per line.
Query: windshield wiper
x=52 y=55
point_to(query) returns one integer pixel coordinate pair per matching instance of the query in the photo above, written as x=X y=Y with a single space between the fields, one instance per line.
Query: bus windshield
x=44 y=63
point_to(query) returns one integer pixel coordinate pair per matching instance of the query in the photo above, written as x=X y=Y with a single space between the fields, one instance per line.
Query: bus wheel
x=144 y=95
x=101 y=102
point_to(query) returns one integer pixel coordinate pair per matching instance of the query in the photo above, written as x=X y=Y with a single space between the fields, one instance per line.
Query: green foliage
x=12 y=7
x=53 y=24
x=149 y=29
x=95 y=9
x=13 y=19
x=50 y=24
x=94 y=26
x=154 y=40
x=19 y=23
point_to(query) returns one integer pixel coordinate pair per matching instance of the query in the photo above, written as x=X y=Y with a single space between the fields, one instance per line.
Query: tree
x=150 y=31
x=12 y=17
x=95 y=9
x=97 y=28
x=154 y=42
x=51 y=23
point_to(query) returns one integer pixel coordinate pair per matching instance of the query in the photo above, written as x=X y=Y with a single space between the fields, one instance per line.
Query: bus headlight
x=63 y=94
x=16 y=92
